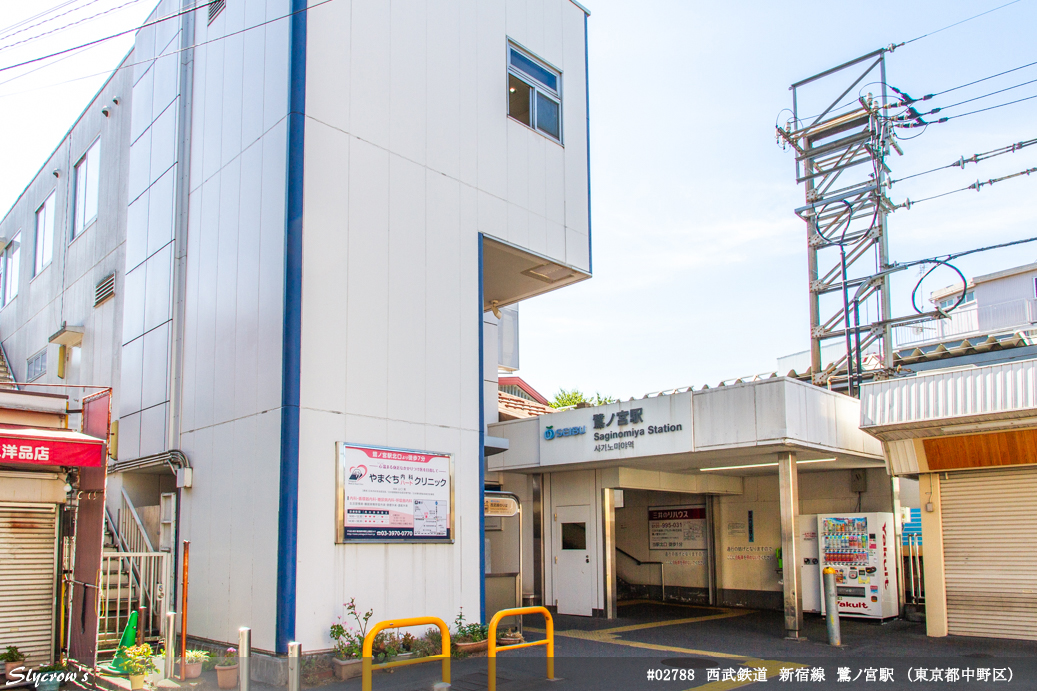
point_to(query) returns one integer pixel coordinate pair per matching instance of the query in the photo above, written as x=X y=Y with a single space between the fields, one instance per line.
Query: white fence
x=131 y=581
x=967 y=321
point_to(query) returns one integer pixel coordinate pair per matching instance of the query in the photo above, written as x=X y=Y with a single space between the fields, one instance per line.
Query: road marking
x=723 y=614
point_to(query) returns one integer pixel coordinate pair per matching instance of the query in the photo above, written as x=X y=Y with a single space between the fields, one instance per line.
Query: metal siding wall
x=977 y=391
x=28 y=573
x=991 y=574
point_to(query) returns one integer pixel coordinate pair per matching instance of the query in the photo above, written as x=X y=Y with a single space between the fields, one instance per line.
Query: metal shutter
x=990 y=566
x=28 y=574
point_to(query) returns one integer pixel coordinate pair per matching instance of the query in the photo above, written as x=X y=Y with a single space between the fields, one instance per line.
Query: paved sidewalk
x=679 y=641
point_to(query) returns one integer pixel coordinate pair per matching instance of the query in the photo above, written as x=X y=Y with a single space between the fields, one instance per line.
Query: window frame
x=14 y=247
x=47 y=208
x=537 y=88
x=76 y=230
x=38 y=356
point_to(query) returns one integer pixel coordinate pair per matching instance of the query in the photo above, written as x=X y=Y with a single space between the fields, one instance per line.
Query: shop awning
x=53 y=447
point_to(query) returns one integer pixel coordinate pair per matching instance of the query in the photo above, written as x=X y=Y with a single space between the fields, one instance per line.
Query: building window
x=88 y=173
x=37 y=366
x=534 y=93
x=12 y=257
x=44 y=235
x=950 y=302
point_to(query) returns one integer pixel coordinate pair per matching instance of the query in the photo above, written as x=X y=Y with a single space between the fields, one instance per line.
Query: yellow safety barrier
x=369 y=667
x=492 y=648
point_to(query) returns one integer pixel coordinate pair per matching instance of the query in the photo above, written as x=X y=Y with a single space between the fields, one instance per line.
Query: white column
x=788 y=489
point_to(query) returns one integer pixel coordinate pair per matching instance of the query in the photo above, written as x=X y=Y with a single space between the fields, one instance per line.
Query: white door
x=575 y=575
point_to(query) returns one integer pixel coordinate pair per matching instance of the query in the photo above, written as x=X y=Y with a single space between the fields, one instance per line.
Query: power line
x=7 y=33
x=978 y=186
x=974 y=158
x=106 y=38
x=934 y=111
x=961 y=115
x=950 y=26
x=44 y=13
x=69 y=25
x=172 y=52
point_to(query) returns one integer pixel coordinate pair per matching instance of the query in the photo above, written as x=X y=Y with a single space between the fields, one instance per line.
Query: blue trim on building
x=288 y=509
x=482 y=448
x=587 y=93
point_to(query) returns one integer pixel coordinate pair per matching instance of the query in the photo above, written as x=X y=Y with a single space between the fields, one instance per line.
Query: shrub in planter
x=139 y=663
x=51 y=677
x=227 y=669
x=13 y=659
x=469 y=638
x=194 y=661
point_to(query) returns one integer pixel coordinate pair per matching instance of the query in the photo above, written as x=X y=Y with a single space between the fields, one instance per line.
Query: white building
x=307 y=217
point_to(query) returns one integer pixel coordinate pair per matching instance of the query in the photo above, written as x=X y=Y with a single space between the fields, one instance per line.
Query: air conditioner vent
x=215 y=7
x=105 y=290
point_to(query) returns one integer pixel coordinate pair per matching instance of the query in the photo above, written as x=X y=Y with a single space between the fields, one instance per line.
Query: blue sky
x=699 y=262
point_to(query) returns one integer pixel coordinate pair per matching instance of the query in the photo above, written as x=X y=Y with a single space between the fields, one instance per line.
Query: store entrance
x=663 y=547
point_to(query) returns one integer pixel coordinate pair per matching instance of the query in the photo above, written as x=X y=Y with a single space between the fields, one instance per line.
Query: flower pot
x=11 y=666
x=51 y=683
x=136 y=682
x=476 y=647
x=347 y=669
x=227 y=676
x=509 y=640
x=194 y=670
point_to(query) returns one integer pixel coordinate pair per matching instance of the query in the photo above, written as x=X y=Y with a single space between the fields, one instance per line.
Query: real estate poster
x=393 y=495
x=677 y=527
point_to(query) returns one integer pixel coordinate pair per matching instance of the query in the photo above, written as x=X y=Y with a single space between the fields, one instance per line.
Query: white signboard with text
x=656 y=426
x=394 y=495
x=677 y=537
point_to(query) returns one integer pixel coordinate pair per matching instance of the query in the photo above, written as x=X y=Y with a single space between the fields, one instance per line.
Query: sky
x=700 y=268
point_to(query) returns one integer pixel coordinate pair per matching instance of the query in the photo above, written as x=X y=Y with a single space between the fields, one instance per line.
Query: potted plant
x=227 y=669
x=510 y=637
x=139 y=663
x=349 y=642
x=50 y=677
x=469 y=638
x=13 y=659
x=194 y=661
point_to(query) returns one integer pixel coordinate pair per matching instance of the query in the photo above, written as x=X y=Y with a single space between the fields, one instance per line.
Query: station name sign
x=652 y=426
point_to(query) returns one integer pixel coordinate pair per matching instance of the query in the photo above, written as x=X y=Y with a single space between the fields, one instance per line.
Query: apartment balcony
x=970 y=320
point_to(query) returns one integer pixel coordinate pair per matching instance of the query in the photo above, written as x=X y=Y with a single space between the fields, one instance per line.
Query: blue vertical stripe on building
x=482 y=448
x=288 y=509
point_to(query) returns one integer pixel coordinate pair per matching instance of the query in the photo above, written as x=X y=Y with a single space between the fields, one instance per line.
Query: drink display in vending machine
x=862 y=549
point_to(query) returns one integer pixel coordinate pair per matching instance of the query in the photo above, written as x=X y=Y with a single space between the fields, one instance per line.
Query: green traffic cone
x=129 y=638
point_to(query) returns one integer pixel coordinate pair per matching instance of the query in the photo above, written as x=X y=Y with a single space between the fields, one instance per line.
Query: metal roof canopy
x=752 y=423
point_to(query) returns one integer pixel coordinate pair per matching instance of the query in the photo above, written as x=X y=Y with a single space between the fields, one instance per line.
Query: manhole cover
x=691 y=662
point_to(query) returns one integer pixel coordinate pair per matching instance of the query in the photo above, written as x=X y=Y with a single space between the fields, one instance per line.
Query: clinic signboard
x=393 y=495
x=654 y=426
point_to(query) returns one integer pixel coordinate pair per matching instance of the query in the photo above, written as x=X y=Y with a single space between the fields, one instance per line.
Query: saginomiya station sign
x=645 y=427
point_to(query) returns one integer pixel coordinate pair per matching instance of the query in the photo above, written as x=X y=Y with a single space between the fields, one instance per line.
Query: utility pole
x=840 y=158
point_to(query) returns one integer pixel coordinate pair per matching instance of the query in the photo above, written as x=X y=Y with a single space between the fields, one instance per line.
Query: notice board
x=394 y=495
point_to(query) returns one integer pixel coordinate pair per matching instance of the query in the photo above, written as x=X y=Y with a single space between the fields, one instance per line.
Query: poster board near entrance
x=393 y=495
x=678 y=537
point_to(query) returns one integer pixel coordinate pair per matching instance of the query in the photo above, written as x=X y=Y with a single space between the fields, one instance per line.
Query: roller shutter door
x=28 y=574
x=990 y=565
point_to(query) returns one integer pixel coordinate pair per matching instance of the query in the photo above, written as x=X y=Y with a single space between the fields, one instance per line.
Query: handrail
x=662 y=569
x=127 y=502
x=397 y=624
x=492 y=647
x=639 y=562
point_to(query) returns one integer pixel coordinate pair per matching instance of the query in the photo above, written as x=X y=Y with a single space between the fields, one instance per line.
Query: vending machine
x=861 y=548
